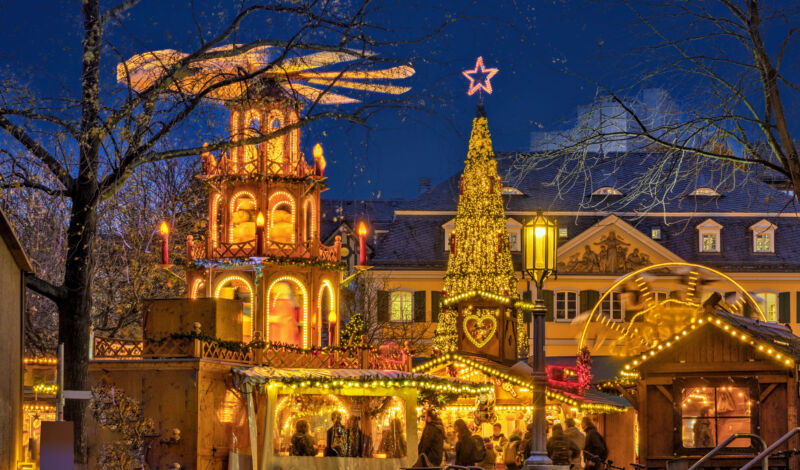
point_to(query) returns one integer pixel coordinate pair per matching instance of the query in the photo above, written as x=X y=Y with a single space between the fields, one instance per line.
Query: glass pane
x=698 y=432
x=729 y=426
x=733 y=401
x=697 y=402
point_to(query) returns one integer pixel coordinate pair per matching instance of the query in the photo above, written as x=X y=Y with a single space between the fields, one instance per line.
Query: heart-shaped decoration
x=479 y=330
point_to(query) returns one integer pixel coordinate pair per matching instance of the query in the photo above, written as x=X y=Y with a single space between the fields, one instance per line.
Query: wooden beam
x=664 y=392
x=766 y=392
x=251 y=424
x=628 y=396
x=269 y=420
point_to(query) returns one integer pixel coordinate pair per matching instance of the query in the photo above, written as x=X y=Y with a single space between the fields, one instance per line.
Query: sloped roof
x=335 y=212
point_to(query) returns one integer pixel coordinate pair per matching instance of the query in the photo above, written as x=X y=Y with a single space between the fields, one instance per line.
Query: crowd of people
x=578 y=449
x=567 y=444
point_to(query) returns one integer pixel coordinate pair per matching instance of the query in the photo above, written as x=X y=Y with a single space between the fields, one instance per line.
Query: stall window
x=712 y=412
x=401 y=307
x=566 y=305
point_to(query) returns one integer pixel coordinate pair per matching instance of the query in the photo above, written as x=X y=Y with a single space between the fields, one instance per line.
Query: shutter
x=584 y=302
x=436 y=299
x=547 y=296
x=593 y=297
x=419 y=306
x=797 y=305
x=383 y=306
x=747 y=311
x=784 y=305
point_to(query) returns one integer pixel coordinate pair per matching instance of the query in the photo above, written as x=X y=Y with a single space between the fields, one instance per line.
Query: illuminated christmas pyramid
x=479 y=314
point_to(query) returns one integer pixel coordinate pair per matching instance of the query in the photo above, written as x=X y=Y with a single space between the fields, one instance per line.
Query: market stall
x=380 y=404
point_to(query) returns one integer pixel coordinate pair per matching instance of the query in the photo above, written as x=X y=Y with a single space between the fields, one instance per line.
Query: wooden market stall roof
x=259 y=377
x=770 y=339
x=520 y=375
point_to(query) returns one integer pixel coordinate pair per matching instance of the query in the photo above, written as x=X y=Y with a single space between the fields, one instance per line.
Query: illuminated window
x=606 y=191
x=611 y=307
x=709 y=236
x=655 y=233
x=514 y=229
x=401 y=306
x=763 y=236
x=768 y=303
x=711 y=412
x=448 y=228
x=704 y=191
x=566 y=305
x=563 y=232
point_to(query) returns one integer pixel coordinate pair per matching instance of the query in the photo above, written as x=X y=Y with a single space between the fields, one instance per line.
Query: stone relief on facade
x=611 y=256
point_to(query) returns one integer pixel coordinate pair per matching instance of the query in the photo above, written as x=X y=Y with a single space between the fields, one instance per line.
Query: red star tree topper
x=480 y=77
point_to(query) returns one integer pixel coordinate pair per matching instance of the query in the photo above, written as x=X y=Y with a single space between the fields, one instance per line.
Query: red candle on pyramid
x=362 y=244
x=164 y=230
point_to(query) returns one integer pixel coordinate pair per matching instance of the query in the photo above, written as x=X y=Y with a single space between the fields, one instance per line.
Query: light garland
x=305 y=306
x=234 y=207
x=258 y=261
x=38 y=408
x=48 y=389
x=215 y=201
x=40 y=361
x=285 y=198
x=367 y=382
x=630 y=368
x=309 y=215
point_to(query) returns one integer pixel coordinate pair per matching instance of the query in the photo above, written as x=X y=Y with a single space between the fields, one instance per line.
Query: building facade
x=741 y=244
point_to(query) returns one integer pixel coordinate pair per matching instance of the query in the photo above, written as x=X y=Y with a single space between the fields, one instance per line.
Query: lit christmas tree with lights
x=480 y=258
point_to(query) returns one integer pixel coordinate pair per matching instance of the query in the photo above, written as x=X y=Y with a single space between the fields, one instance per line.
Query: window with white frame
x=659 y=296
x=514 y=229
x=566 y=305
x=448 y=227
x=709 y=236
x=611 y=306
x=655 y=233
x=704 y=191
x=763 y=236
x=768 y=303
x=401 y=306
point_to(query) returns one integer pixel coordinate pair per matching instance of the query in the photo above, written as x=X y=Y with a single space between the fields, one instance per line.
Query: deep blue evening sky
x=528 y=41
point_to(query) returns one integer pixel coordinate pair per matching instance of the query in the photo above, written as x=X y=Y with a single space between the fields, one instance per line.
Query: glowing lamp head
x=362 y=229
x=260 y=220
x=163 y=229
x=539 y=249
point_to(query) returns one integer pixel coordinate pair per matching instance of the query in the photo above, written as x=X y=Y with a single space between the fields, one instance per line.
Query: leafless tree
x=92 y=142
x=731 y=64
x=361 y=296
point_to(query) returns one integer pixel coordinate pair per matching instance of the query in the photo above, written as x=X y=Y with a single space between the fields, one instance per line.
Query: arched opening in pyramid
x=239 y=288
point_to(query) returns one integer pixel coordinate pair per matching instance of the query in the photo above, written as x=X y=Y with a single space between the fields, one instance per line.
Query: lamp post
x=539 y=261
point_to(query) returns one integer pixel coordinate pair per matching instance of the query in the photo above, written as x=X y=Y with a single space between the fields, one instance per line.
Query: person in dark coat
x=594 y=448
x=353 y=438
x=511 y=455
x=335 y=437
x=302 y=442
x=431 y=443
x=560 y=448
x=393 y=441
x=465 y=448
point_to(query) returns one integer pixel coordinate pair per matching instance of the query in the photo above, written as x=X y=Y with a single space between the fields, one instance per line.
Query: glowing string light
x=480 y=77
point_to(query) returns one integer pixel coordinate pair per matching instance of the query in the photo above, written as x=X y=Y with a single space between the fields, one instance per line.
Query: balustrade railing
x=305 y=249
x=227 y=166
x=387 y=357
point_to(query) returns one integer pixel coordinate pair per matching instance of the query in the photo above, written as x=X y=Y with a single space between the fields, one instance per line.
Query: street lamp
x=539 y=261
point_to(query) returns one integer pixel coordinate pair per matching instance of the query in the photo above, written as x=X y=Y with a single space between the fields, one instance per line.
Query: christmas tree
x=480 y=256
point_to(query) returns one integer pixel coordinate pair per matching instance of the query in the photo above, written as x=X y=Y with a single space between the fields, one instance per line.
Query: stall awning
x=260 y=377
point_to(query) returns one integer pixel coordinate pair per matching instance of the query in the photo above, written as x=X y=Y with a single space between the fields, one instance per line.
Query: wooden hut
x=723 y=374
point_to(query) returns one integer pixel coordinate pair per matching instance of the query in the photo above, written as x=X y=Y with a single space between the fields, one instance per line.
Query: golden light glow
x=317 y=151
x=215 y=200
x=362 y=228
x=305 y=306
x=595 y=312
x=198 y=283
x=326 y=285
x=260 y=219
x=234 y=206
x=277 y=199
x=236 y=277
x=309 y=215
x=163 y=229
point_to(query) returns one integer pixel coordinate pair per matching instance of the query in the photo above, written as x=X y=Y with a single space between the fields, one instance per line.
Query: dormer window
x=514 y=229
x=448 y=227
x=607 y=191
x=763 y=236
x=709 y=236
x=704 y=191
x=655 y=233
x=511 y=191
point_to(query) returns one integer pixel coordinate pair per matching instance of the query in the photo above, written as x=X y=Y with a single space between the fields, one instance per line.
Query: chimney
x=424 y=184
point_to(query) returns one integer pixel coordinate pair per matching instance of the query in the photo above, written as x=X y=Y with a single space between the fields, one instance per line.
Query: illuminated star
x=480 y=77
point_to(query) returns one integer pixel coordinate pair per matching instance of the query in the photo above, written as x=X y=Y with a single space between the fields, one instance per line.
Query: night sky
x=532 y=45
